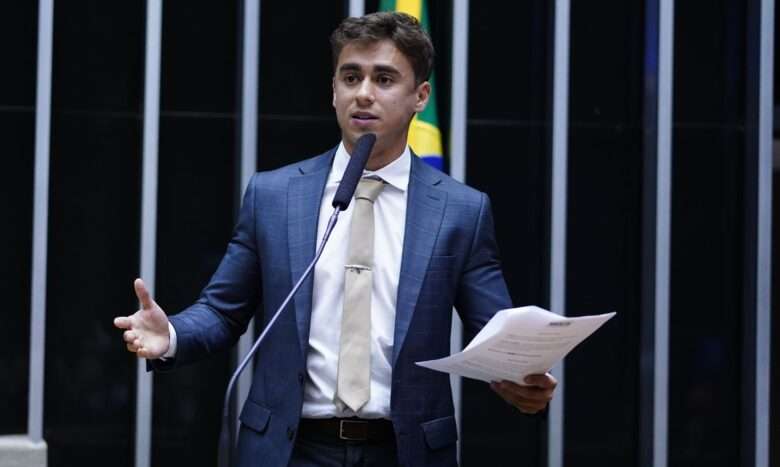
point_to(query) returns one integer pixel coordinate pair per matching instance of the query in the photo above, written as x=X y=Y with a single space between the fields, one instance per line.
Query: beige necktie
x=354 y=370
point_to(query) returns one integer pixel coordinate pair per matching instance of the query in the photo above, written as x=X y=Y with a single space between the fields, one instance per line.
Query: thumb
x=143 y=295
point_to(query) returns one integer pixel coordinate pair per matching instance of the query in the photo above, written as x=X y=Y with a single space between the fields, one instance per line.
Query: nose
x=365 y=93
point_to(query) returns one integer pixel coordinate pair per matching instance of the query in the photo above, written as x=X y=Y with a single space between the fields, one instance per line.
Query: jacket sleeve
x=227 y=304
x=481 y=289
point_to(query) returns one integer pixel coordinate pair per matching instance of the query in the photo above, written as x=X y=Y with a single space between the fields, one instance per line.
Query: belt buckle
x=345 y=437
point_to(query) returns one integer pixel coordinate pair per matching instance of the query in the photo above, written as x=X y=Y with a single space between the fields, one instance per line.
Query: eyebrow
x=386 y=69
x=377 y=69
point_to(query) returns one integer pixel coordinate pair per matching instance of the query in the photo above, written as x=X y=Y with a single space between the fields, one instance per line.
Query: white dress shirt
x=328 y=293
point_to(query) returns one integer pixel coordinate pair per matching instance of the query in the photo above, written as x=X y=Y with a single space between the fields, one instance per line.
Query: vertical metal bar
x=764 y=233
x=756 y=326
x=649 y=244
x=143 y=422
x=749 y=376
x=248 y=165
x=458 y=128
x=357 y=7
x=459 y=91
x=654 y=365
x=40 y=220
x=560 y=127
x=663 y=232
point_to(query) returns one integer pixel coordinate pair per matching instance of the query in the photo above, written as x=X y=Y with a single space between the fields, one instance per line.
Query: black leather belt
x=348 y=429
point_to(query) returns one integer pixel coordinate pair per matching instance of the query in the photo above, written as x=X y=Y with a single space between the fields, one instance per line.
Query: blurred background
x=710 y=362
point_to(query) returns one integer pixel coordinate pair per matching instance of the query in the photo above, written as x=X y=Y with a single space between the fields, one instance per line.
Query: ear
x=333 y=86
x=423 y=94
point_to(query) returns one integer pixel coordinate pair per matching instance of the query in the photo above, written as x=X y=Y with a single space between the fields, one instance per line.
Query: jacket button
x=290 y=433
x=300 y=378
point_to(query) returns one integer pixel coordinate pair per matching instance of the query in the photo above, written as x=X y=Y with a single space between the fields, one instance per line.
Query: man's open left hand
x=528 y=399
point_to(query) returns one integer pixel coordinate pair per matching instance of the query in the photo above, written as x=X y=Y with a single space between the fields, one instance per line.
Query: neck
x=380 y=156
x=378 y=160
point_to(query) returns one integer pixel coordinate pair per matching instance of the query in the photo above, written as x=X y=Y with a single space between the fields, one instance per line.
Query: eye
x=385 y=80
x=350 y=78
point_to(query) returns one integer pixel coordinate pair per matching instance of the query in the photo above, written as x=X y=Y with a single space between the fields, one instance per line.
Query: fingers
x=139 y=350
x=122 y=322
x=517 y=392
x=143 y=295
x=129 y=336
x=528 y=399
x=134 y=346
x=523 y=405
x=546 y=381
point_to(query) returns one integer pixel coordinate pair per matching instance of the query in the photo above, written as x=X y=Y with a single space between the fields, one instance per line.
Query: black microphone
x=344 y=193
x=357 y=162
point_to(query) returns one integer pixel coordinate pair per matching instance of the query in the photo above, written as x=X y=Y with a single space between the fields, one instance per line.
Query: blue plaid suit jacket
x=449 y=260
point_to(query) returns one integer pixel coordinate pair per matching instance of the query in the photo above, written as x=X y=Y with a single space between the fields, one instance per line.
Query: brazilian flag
x=424 y=133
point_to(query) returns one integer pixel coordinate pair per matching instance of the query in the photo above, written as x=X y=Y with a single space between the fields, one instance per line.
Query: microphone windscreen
x=357 y=162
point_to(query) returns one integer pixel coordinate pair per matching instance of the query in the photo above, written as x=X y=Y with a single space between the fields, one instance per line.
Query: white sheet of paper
x=518 y=342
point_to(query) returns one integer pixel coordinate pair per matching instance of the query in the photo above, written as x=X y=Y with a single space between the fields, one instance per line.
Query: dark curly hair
x=402 y=29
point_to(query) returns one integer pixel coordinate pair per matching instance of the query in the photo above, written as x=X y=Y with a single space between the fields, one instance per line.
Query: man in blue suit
x=434 y=249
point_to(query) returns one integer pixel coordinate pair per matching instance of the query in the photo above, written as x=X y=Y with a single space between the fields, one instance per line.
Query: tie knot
x=369 y=189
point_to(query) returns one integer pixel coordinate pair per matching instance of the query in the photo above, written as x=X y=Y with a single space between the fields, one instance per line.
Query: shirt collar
x=395 y=173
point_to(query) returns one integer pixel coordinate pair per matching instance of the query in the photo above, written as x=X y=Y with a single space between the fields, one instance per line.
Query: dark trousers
x=312 y=450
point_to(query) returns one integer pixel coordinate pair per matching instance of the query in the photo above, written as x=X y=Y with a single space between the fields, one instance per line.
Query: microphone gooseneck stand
x=341 y=201
x=226 y=437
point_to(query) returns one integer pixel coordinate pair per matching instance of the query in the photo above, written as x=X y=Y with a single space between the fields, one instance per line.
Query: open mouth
x=363 y=116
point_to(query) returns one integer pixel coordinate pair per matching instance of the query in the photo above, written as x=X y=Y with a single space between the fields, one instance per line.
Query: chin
x=355 y=135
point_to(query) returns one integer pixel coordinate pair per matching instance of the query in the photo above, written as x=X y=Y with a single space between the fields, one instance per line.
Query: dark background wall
x=95 y=213
x=97 y=76
x=604 y=231
x=17 y=130
x=707 y=214
x=197 y=180
x=508 y=125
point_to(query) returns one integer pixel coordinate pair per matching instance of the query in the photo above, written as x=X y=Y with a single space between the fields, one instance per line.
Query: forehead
x=374 y=54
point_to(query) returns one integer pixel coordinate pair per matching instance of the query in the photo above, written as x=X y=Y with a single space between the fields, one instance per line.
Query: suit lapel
x=424 y=212
x=304 y=196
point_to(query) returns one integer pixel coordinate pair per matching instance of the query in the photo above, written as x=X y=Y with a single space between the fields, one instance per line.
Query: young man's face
x=374 y=91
